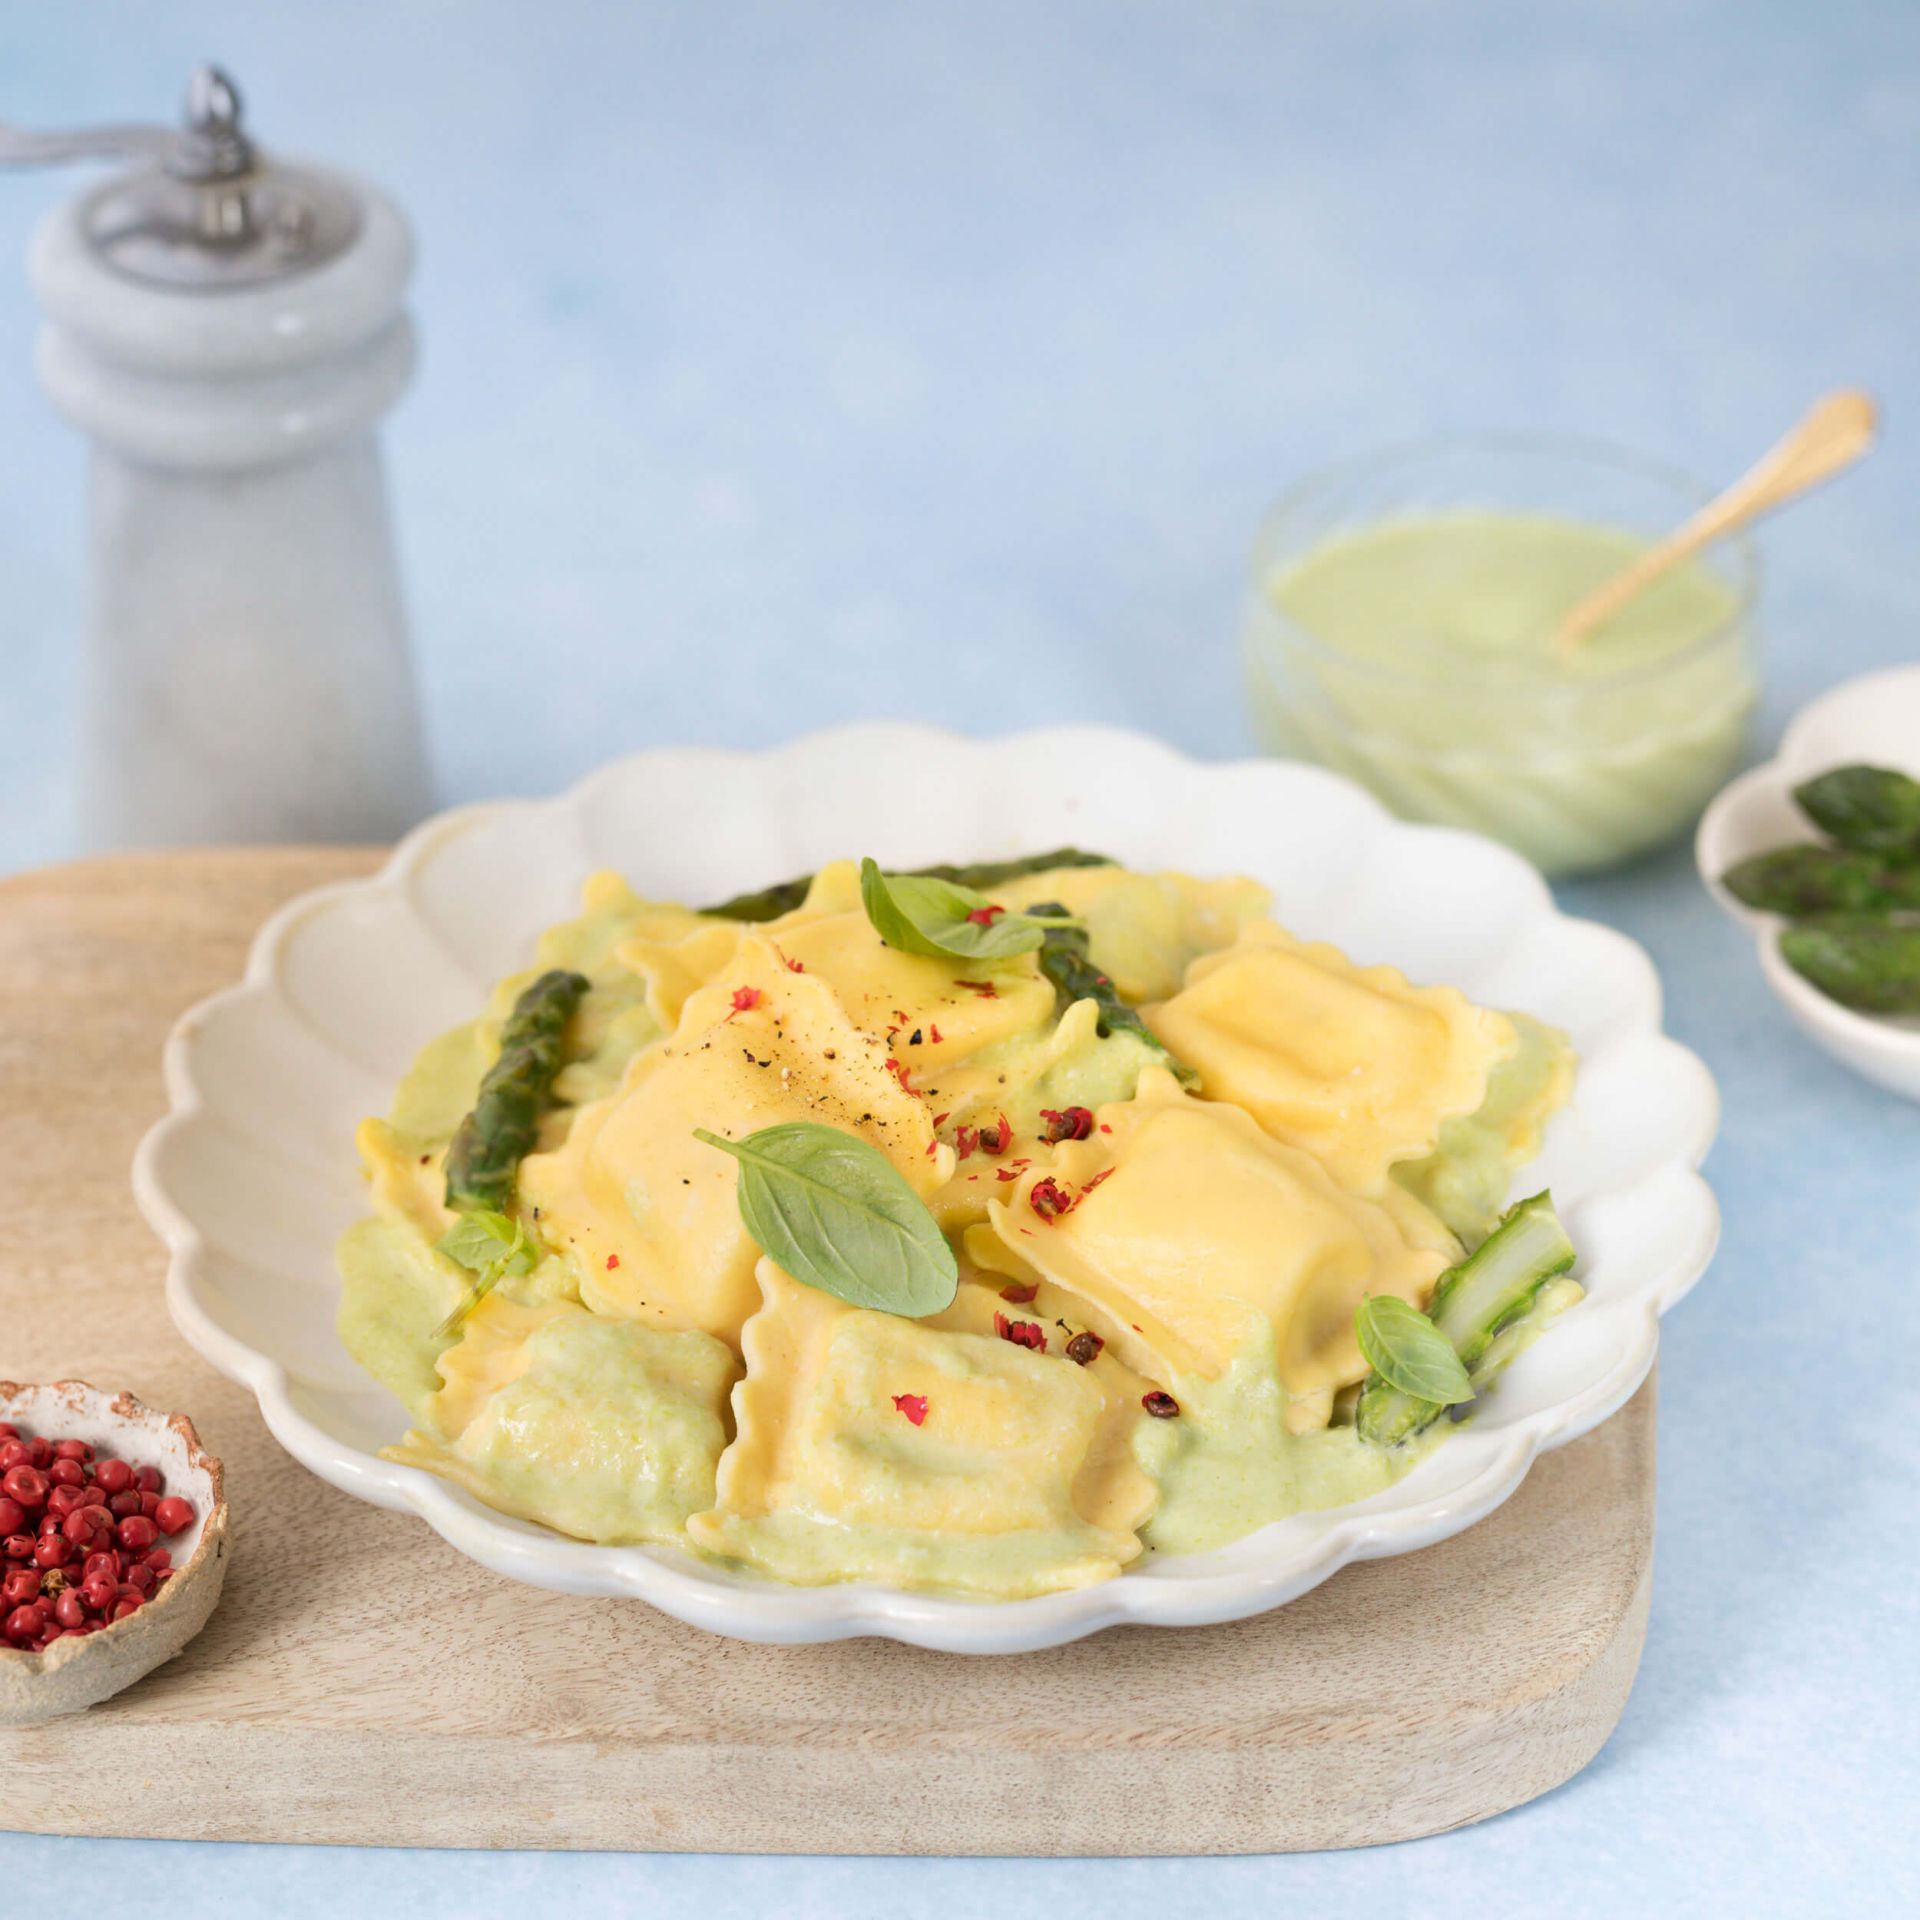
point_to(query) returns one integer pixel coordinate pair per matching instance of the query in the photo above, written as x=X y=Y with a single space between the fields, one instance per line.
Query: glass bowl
x=1577 y=763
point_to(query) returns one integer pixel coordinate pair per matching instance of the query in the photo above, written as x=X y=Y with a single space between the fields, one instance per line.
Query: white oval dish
x=253 y=1175
x=72 y=1674
x=1873 y=720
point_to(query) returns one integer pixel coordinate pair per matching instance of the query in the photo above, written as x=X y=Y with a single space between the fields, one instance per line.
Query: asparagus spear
x=1473 y=1304
x=1869 y=809
x=483 y=1162
x=1802 y=880
x=1066 y=960
x=771 y=902
x=1866 y=963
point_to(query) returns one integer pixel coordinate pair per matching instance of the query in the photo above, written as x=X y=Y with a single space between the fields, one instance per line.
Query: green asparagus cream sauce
x=1418 y=654
x=1228 y=1465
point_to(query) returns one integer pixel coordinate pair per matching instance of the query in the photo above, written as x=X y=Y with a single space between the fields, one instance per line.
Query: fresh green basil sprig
x=914 y=913
x=1408 y=1351
x=836 y=1214
x=491 y=1247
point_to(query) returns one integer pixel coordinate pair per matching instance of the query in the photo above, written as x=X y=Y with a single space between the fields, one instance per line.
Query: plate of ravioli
x=972 y=1192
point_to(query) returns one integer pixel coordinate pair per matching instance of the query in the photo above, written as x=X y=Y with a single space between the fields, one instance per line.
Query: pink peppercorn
x=26 y=1484
x=84 y=1524
x=78 y=1539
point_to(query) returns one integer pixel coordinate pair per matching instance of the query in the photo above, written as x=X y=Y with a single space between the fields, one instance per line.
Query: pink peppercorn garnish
x=137 y=1533
x=78 y=1539
x=28 y=1485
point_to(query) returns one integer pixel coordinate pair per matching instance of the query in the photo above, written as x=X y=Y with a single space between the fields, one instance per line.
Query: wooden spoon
x=1834 y=434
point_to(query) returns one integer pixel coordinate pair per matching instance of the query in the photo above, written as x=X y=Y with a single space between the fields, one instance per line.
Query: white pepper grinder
x=228 y=330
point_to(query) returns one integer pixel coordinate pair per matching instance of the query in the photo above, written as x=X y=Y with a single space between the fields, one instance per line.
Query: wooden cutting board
x=363 y=1683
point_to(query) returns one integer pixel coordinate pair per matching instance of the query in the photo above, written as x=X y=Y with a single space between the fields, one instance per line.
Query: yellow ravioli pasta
x=1189 y=1230
x=1013 y=1479
x=595 y=1426
x=1144 y=928
x=653 y=1377
x=1350 y=1063
x=646 y=1212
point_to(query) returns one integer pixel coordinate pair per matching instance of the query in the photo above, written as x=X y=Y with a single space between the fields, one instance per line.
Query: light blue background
x=788 y=363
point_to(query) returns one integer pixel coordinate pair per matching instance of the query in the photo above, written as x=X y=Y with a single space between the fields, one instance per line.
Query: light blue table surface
x=785 y=364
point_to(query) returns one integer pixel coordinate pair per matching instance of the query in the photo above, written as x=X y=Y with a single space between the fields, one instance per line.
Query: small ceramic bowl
x=76 y=1673
x=1873 y=721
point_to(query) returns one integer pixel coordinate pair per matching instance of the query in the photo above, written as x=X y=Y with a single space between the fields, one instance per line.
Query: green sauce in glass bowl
x=1402 y=631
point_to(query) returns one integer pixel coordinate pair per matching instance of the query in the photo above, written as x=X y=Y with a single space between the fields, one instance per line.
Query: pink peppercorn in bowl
x=126 y=1517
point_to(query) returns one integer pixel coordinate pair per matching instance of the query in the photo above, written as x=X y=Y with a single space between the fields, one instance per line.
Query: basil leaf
x=1408 y=1351
x=481 y=1239
x=913 y=913
x=836 y=1214
x=490 y=1246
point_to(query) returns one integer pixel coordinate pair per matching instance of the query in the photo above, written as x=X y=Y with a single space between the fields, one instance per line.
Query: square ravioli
x=1351 y=1063
x=645 y=1212
x=1186 y=1232
x=874 y=1447
x=598 y=1427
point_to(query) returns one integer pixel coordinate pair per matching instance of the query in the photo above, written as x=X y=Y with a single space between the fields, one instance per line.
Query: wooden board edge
x=268 y=1783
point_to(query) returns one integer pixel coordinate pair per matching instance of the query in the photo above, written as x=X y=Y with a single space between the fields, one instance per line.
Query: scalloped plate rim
x=743 y=1607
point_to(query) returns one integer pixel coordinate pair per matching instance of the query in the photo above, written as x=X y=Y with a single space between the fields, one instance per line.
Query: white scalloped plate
x=253 y=1175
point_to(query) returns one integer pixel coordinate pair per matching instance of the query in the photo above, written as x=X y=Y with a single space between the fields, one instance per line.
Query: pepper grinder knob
x=214 y=146
x=229 y=328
